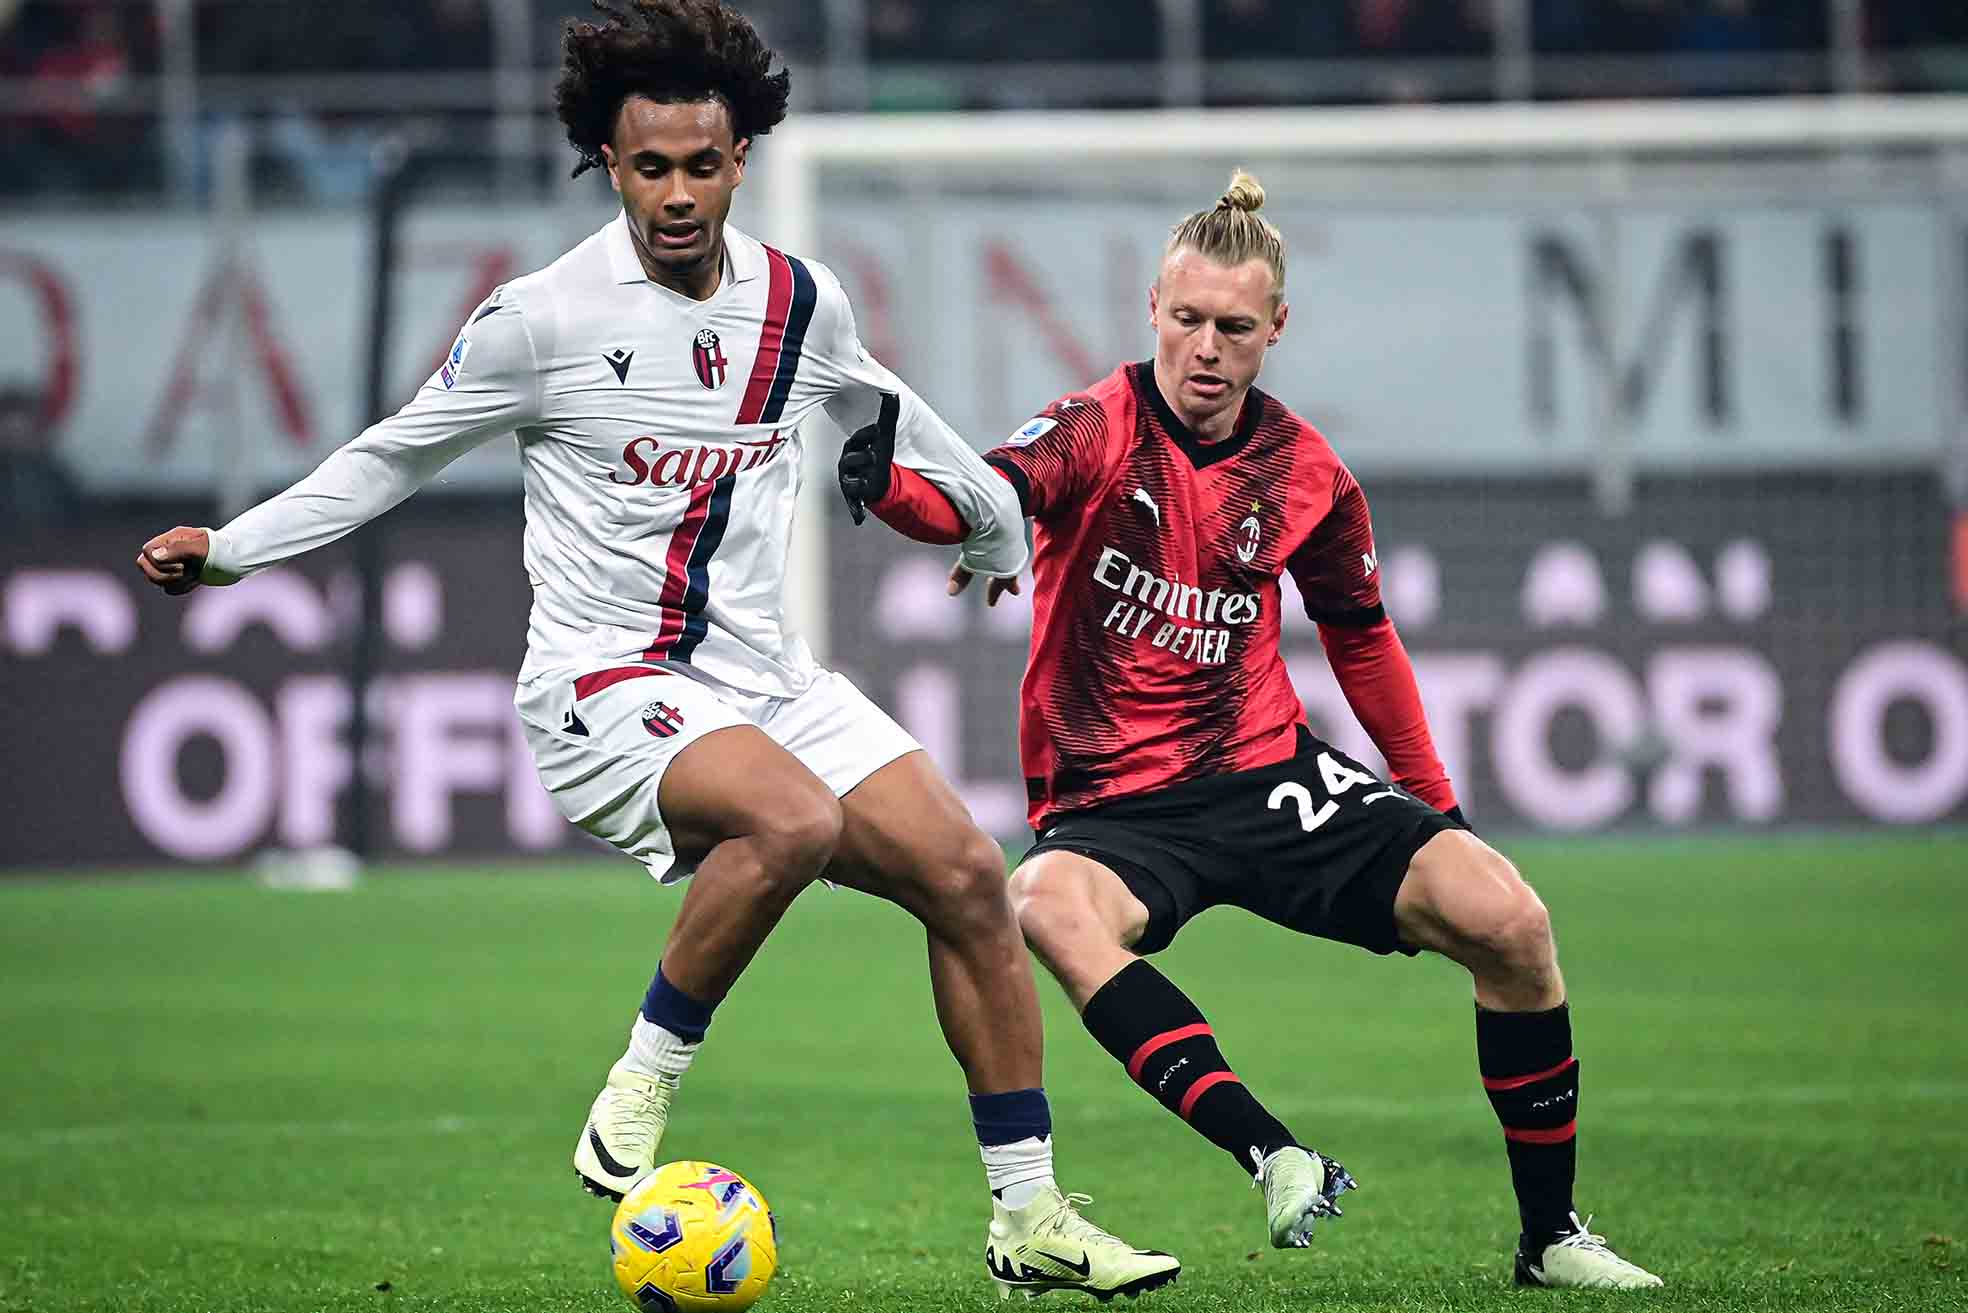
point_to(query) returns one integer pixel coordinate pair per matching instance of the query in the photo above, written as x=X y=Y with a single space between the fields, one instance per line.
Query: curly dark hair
x=671 y=51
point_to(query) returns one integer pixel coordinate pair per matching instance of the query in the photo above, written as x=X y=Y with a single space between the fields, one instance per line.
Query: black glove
x=867 y=460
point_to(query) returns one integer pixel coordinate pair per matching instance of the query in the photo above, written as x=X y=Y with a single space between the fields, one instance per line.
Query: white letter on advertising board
x=171 y=715
x=1884 y=788
x=1718 y=708
x=1536 y=784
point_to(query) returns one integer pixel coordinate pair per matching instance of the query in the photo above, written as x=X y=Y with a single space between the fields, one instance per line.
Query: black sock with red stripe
x=1154 y=1031
x=1533 y=1083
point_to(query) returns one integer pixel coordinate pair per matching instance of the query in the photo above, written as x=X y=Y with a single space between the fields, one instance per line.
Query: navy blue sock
x=675 y=1011
x=1011 y=1116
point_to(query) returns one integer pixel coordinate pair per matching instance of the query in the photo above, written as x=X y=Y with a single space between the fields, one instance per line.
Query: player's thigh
x=907 y=837
x=1066 y=901
x=737 y=783
x=1321 y=845
x=1155 y=848
x=660 y=766
x=1463 y=899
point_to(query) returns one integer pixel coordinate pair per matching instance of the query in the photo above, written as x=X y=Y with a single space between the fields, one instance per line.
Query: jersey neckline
x=1201 y=453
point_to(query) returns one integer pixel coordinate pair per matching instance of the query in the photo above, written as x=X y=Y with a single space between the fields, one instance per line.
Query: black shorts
x=1316 y=843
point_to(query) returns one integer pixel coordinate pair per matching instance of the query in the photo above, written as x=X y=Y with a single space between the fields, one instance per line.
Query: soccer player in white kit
x=657 y=378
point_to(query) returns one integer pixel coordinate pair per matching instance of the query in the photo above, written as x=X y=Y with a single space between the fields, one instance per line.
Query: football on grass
x=693 y=1237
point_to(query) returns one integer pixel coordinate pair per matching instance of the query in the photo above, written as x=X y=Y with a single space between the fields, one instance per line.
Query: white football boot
x=618 y=1145
x=1300 y=1187
x=1047 y=1245
x=1580 y=1260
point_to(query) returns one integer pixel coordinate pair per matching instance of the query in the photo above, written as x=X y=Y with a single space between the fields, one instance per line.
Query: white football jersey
x=660 y=440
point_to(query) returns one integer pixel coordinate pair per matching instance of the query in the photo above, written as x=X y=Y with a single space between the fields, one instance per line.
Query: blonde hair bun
x=1246 y=193
x=1232 y=231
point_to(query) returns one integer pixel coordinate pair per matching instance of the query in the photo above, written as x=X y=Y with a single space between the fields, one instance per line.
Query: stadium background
x=1666 y=447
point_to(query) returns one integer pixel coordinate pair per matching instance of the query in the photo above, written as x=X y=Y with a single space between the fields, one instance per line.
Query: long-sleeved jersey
x=1156 y=609
x=660 y=442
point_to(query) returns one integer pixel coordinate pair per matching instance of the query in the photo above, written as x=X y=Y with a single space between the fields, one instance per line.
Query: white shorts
x=602 y=741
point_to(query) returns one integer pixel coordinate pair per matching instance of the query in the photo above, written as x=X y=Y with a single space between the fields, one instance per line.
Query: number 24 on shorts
x=1338 y=777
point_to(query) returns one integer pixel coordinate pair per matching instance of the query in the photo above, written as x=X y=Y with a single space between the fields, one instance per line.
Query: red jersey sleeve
x=916 y=508
x=1055 y=458
x=1374 y=673
x=1336 y=569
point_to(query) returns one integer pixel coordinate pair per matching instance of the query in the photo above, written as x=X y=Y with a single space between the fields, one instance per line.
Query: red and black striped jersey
x=1154 y=654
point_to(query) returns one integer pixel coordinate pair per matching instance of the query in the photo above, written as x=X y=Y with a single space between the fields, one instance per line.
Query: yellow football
x=691 y=1237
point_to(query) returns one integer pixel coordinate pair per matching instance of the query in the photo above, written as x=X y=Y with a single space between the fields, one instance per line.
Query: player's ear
x=741 y=150
x=1154 y=299
x=608 y=159
x=1278 y=322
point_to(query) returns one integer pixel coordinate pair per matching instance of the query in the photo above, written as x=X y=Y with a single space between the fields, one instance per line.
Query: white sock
x=1020 y=1171
x=659 y=1052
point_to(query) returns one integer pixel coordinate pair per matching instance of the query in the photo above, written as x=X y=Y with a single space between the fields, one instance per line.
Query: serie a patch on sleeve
x=1032 y=432
x=454 y=363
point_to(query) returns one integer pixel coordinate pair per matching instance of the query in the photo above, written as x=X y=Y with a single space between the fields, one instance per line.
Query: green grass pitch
x=217 y=1097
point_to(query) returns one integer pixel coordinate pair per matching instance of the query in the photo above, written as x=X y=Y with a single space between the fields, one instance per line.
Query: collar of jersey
x=1199 y=452
x=744 y=259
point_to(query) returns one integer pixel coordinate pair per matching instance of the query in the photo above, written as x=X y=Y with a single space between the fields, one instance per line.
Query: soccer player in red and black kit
x=1168 y=759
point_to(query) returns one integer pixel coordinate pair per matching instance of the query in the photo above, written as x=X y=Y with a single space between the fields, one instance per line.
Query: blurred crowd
x=88 y=68
x=101 y=38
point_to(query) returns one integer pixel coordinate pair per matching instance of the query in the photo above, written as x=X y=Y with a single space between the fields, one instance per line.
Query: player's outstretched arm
x=861 y=388
x=489 y=385
x=904 y=500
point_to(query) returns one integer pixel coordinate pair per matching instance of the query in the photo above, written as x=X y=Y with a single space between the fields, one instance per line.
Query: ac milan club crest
x=662 y=719
x=709 y=360
x=1249 y=530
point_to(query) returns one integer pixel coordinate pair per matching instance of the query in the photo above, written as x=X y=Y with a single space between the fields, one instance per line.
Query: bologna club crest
x=662 y=719
x=709 y=360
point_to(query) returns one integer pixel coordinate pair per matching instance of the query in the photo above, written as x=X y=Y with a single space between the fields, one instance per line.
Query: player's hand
x=867 y=460
x=174 y=560
x=960 y=579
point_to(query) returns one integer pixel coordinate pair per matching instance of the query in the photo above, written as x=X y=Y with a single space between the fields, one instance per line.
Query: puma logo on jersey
x=1141 y=496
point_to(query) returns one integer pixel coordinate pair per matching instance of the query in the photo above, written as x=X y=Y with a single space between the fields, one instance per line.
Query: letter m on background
x=1559 y=276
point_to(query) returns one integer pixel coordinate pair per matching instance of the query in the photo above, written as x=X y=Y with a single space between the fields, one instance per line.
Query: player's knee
x=1033 y=900
x=797 y=837
x=1514 y=927
x=1049 y=907
x=972 y=881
